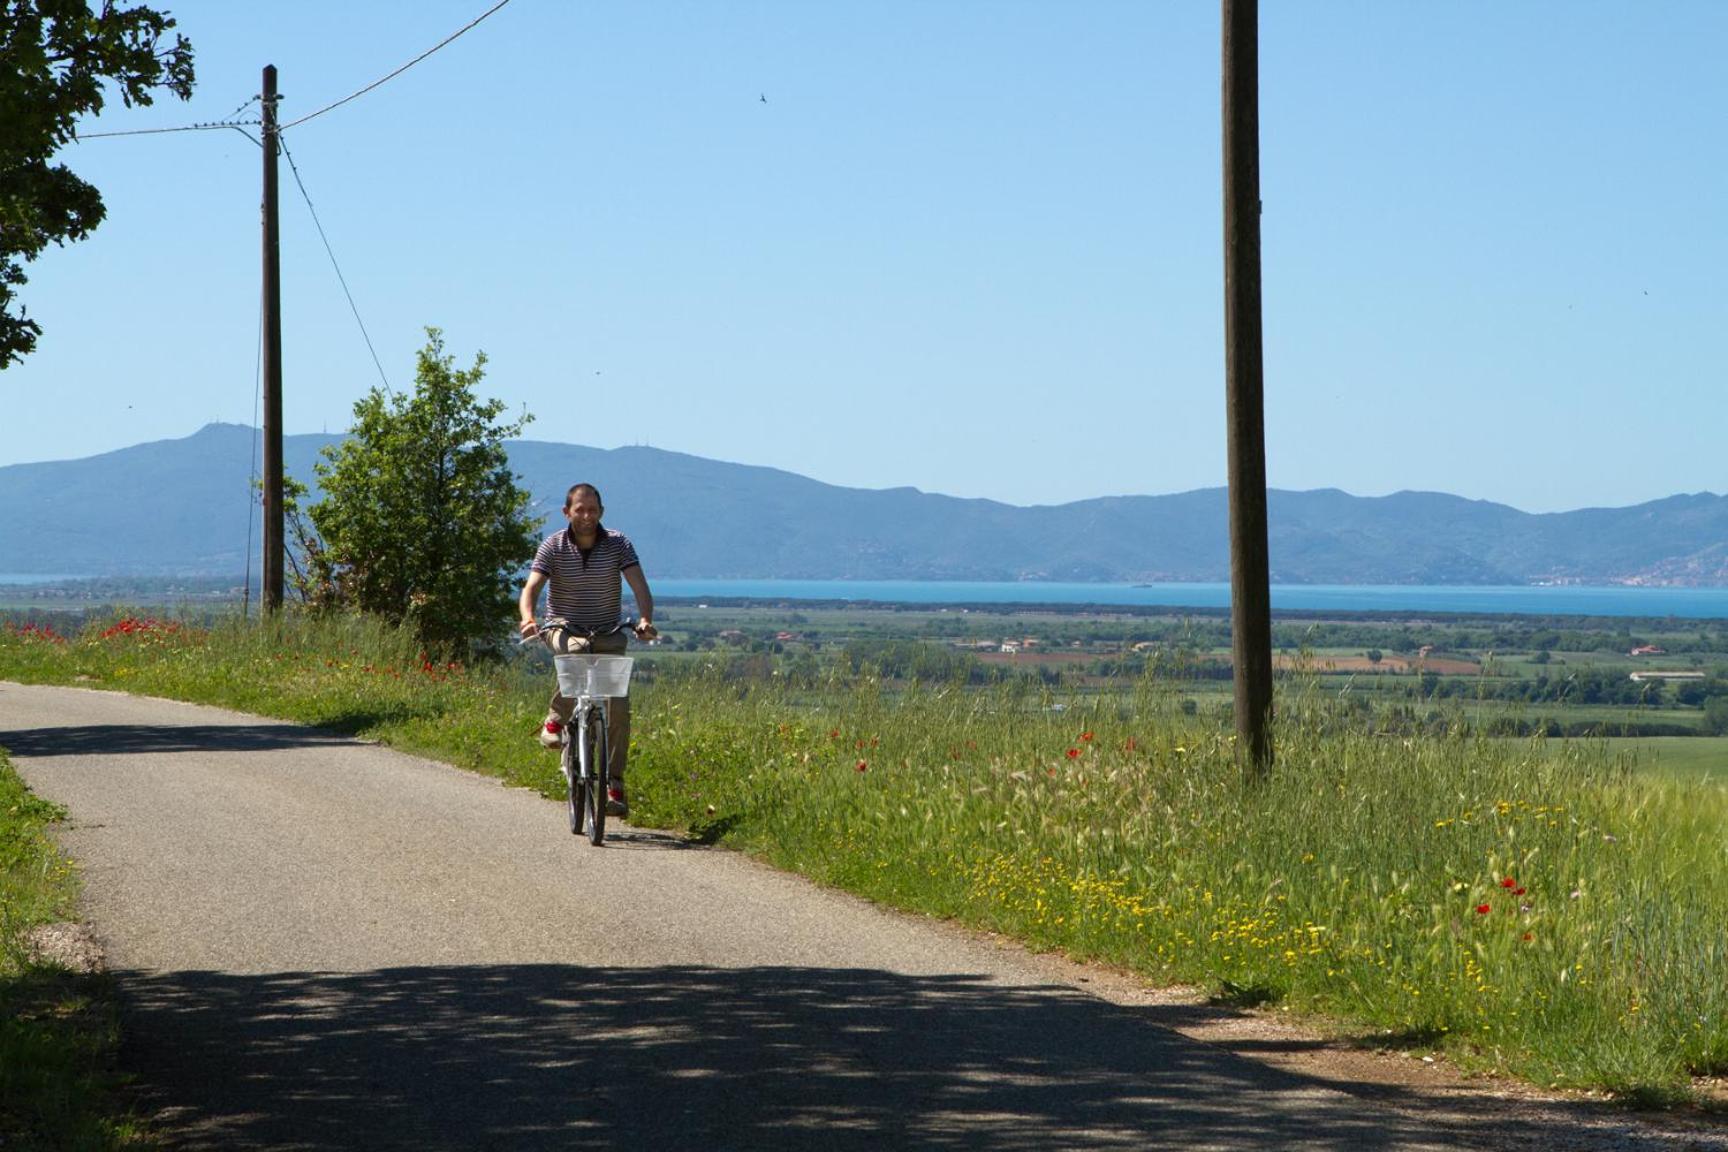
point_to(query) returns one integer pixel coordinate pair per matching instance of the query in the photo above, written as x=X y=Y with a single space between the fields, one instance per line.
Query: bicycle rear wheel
x=594 y=736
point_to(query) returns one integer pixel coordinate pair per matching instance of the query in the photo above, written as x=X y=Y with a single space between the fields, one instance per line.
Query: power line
x=239 y=126
x=376 y=83
x=295 y=168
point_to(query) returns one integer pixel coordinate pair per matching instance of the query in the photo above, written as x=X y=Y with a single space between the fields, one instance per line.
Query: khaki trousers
x=563 y=642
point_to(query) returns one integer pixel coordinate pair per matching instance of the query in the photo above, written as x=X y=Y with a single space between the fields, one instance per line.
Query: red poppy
x=1073 y=753
x=1517 y=891
x=863 y=766
x=833 y=733
x=1508 y=883
x=1085 y=736
x=1528 y=937
x=1483 y=909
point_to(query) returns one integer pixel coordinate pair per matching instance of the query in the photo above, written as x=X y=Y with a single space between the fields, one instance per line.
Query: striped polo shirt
x=585 y=589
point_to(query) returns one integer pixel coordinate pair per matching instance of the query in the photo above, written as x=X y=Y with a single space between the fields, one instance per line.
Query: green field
x=1683 y=757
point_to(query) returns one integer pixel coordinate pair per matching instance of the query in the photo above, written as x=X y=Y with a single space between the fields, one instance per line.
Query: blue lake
x=33 y=578
x=1689 y=603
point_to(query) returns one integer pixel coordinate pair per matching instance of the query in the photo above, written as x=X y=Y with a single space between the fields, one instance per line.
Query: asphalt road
x=322 y=944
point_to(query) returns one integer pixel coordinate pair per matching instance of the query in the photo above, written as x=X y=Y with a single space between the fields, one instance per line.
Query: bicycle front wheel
x=575 y=784
x=594 y=736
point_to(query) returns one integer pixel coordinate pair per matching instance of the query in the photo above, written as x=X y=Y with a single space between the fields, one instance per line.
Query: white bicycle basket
x=594 y=676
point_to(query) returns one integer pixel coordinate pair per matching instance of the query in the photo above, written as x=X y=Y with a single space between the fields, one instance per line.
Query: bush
x=1716 y=715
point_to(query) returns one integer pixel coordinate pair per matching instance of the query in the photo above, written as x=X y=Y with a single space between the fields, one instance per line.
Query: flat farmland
x=1036 y=658
x=1683 y=757
x=1354 y=662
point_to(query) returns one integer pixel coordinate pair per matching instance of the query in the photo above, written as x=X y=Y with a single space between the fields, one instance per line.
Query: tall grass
x=1538 y=910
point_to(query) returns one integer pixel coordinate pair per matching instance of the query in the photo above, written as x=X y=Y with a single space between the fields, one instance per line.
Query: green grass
x=57 y=1028
x=1681 y=757
x=1540 y=909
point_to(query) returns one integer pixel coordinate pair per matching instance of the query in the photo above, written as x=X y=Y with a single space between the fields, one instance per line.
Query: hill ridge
x=188 y=505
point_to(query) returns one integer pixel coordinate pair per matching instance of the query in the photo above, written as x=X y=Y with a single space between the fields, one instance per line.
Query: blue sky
x=970 y=247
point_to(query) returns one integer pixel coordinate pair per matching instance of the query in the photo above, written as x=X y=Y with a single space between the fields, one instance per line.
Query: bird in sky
x=764 y=97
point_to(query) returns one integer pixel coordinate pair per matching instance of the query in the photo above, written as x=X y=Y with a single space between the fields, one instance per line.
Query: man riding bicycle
x=581 y=567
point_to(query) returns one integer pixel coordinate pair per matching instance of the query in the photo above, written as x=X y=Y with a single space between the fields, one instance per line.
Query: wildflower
x=1483 y=909
x=863 y=766
x=1129 y=747
x=1073 y=753
x=1518 y=892
x=1508 y=882
x=1085 y=737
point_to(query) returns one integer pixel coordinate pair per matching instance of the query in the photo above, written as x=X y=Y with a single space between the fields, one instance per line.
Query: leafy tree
x=55 y=56
x=1716 y=715
x=422 y=520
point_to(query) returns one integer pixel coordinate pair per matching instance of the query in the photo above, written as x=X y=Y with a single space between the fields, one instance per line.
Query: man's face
x=584 y=513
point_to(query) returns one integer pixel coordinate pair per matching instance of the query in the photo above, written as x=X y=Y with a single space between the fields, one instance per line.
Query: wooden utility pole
x=1250 y=578
x=273 y=516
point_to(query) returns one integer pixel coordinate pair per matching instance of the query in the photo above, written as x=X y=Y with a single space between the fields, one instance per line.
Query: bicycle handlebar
x=646 y=633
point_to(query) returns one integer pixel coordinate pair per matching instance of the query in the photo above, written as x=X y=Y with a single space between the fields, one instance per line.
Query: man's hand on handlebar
x=529 y=629
x=645 y=630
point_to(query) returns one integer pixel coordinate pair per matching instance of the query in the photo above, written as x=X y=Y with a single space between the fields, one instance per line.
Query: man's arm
x=644 y=601
x=525 y=603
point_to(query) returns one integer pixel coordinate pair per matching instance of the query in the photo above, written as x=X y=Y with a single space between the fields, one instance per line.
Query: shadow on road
x=547 y=1056
x=117 y=739
x=630 y=838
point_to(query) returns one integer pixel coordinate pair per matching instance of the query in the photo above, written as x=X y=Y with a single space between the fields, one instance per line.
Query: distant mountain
x=182 y=507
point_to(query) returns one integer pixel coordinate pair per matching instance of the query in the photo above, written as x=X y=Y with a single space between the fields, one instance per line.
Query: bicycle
x=590 y=680
x=585 y=755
